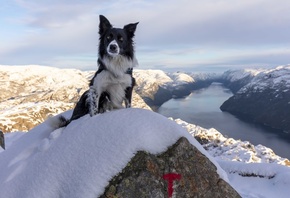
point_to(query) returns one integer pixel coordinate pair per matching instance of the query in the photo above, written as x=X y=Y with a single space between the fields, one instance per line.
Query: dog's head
x=116 y=41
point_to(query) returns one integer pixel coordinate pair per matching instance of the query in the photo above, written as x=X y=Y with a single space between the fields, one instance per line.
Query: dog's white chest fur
x=106 y=81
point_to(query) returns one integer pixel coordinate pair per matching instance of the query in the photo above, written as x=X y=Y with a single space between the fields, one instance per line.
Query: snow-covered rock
x=195 y=175
x=80 y=159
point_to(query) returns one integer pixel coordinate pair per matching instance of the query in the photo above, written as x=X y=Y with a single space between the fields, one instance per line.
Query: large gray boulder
x=182 y=169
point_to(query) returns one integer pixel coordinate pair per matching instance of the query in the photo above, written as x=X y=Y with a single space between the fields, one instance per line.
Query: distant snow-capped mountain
x=236 y=79
x=30 y=93
x=262 y=96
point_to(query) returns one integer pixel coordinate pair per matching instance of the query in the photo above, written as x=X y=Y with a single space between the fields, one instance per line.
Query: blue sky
x=186 y=35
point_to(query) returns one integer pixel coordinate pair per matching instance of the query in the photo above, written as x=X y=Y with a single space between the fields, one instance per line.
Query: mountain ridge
x=264 y=99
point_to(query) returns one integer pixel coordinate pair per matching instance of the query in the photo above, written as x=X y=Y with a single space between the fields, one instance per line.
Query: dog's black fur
x=113 y=82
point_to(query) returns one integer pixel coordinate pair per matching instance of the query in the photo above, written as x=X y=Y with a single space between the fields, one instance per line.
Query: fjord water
x=201 y=107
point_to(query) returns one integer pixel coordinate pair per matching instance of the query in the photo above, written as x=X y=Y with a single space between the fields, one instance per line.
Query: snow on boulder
x=80 y=159
x=148 y=175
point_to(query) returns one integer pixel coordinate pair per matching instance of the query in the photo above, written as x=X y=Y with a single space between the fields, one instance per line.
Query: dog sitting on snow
x=113 y=82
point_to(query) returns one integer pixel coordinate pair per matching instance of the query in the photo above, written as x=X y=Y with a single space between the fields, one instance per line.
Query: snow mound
x=79 y=160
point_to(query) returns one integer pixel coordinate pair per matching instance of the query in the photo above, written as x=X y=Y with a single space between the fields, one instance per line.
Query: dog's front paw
x=93 y=111
x=128 y=105
x=93 y=108
x=91 y=101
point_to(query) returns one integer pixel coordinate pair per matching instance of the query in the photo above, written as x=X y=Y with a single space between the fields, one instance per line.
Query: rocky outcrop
x=181 y=171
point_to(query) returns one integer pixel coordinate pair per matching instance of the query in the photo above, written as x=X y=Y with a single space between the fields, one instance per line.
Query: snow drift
x=79 y=160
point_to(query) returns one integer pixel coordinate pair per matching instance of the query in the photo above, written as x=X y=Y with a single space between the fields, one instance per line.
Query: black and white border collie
x=113 y=82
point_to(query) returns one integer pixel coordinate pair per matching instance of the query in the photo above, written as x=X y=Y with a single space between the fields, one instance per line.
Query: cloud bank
x=170 y=33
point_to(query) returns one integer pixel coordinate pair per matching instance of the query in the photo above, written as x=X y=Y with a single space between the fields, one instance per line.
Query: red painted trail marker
x=170 y=177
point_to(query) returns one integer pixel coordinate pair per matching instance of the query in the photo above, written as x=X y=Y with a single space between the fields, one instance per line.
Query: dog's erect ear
x=131 y=28
x=104 y=24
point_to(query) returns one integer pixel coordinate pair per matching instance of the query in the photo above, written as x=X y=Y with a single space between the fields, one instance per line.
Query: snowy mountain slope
x=47 y=163
x=32 y=82
x=80 y=159
x=235 y=75
x=149 y=81
x=26 y=115
x=258 y=78
x=29 y=94
x=147 y=78
x=236 y=79
x=265 y=99
x=272 y=78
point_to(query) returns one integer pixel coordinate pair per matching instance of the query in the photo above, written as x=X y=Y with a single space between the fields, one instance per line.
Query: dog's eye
x=109 y=36
x=120 y=38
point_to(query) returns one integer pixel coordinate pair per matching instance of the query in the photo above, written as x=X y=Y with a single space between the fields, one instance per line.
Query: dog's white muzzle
x=113 y=48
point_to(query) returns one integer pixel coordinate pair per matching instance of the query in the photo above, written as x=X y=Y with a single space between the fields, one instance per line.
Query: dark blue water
x=202 y=108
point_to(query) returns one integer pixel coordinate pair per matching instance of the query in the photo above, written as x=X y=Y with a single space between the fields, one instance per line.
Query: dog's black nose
x=113 y=47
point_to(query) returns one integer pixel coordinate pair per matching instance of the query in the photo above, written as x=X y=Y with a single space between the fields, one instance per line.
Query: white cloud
x=174 y=29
